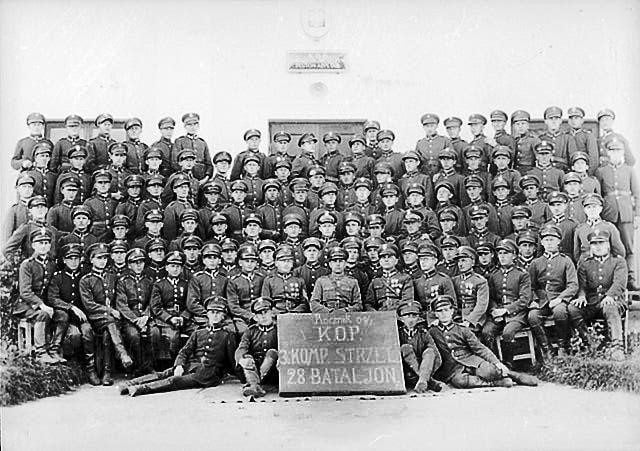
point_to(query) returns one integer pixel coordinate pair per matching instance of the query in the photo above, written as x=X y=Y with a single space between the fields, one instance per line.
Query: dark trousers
x=469 y=377
x=139 y=345
x=560 y=315
x=612 y=314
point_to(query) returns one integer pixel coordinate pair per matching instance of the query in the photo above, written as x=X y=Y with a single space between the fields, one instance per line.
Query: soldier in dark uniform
x=135 y=147
x=452 y=125
x=551 y=178
x=525 y=142
x=605 y=118
x=153 y=225
x=20 y=239
x=282 y=176
x=336 y=292
x=98 y=147
x=474 y=187
x=430 y=146
x=252 y=180
x=101 y=205
x=23 y=154
x=45 y=178
x=473 y=167
x=328 y=197
x=164 y=145
x=210 y=206
x=257 y=352
x=252 y=139
x=503 y=205
x=306 y=158
x=432 y=282
x=466 y=362
x=311 y=270
x=285 y=291
x=190 y=246
x=152 y=201
x=448 y=212
x=486 y=259
x=585 y=140
x=409 y=254
x=292 y=234
x=573 y=188
x=203 y=168
x=527 y=242
x=420 y=356
x=222 y=162
x=449 y=247
x=393 y=215
x=479 y=232
x=394 y=159
x=119 y=172
x=156 y=250
x=271 y=210
x=540 y=213
x=206 y=357
x=81 y=217
x=472 y=291
x=520 y=221
x=266 y=251
x=331 y=158
x=363 y=205
x=77 y=161
x=189 y=220
x=279 y=154
x=118 y=254
x=601 y=279
x=392 y=288
x=229 y=248
x=371 y=129
x=501 y=158
x=580 y=166
x=554 y=283
x=413 y=177
x=97 y=292
x=208 y=282
x=245 y=287
x=129 y=207
x=498 y=120
x=180 y=187
x=316 y=178
x=19 y=212
x=355 y=266
x=476 y=126
x=346 y=189
x=219 y=228
x=363 y=163
x=154 y=164
x=564 y=144
x=237 y=211
x=593 y=207
x=59 y=216
x=448 y=173
x=412 y=222
x=186 y=161
x=558 y=205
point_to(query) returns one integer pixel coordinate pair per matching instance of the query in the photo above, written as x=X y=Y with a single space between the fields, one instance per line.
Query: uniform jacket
x=24 y=150
x=428 y=148
x=599 y=277
x=169 y=299
x=256 y=341
x=333 y=292
x=388 y=291
x=202 y=285
x=98 y=152
x=242 y=290
x=431 y=285
x=553 y=276
x=621 y=192
x=133 y=293
x=34 y=276
x=510 y=288
x=581 y=247
x=64 y=290
x=286 y=292
x=472 y=292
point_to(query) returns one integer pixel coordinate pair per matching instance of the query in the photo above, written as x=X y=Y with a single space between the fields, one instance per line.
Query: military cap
x=253 y=218
x=180 y=180
x=316 y=170
x=444 y=184
x=229 y=244
x=472 y=151
x=331 y=136
x=266 y=244
x=270 y=183
x=478 y=211
x=409 y=307
x=552 y=111
x=544 y=147
x=78 y=151
x=410 y=246
x=132 y=123
x=444 y=300
x=219 y=218
x=283 y=163
x=598 y=236
x=576 y=111
x=120 y=221
x=615 y=144
x=26 y=179
x=498 y=115
x=477 y=119
x=190 y=241
x=252 y=133
x=467 y=252
x=428 y=250
x=592 y=199
x=135 y=254
x=185 y=154
x=357 y=138
x=412 y=154
x=251 y=157
x=211 y=187
x=371 y=124
x=166 y=122
x=376 y=218
x=388 y=249
x=413 y=216
x=520 y=115
x=353 y=216
x=281 y=136
x=239 y=185
x=261 y=305
x=213 y=249
x=35 y=117
x=216 y=304
x=448 y=214
x=485 y=247
x=71 y=250
x=307 y=137
x=529 y=180
x=579 y=156
x=528 y=236
x=429 y=118
x=572 y=177
x=248 y=252
x=97 y=249
x=292 y=218
x=299 y=184
x=42 y=147
x=373 y=243
x=328 y=187
x=336 y=253
x=415 y=188
x=345 y=167
x=69 y=180
x=501 y=151
x=189 y=213
x=190 y=118
x=473 y=180
x=284 y=252
x=118 y=246
x=351 y=242
x=328 y=217
x=389 y=189
x=117 y=149
x=606 y=112
x=36 y=201
x=500 y=182
x=447 y=152
x=362 y=182
x=382 y=167
x=385 y=134
x=41 y=234
x=550 y=230
x=174 y=258
x=312 y=242
x=222 y=155
x=152 y=152
x=507 y=245
x=156 y=244
x=557 y=197
x=153 y=215
x=133 y=180
x=452 y=122
x=104 y=117
x=521 y=211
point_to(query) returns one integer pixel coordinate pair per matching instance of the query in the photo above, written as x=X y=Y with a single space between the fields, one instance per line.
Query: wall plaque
x=316 y=62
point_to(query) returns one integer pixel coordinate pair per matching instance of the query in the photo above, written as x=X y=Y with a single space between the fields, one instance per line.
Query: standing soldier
x=498 y=120
x=453 y=126
x=208 y=282
x=575 y=195
x=605 y=121
x=371 y=129
x=540 y=213
x=476 y=125
x=394 y=159
x=449 y=174
x=311 y=270
x=203 y=169
x=44 y=177
x=363 y=163
x=285 y=291
x=551 y=177
x=279 y=154
x=245 y=287
x=331 y=158
x=117 y=169
x=60 y=155
x=252 y=139
x=101 y=205
x=432 y=283
x=306 y=158
x=412 y=178
x=585 y=140
x=19 y=212
x=59 y=216
x=525 y=142
x=166 y=125
x=430 y=146
x=77 y=169
x=20 y=240
x=558 y=207
x=392 y=288
x=23 y=155
x=98 y=147
x=271 y=210
x=222 y=162
x=336 y=292
x=564 y=144
x=180 y=186
x=593 y=207
x=135 y=147
x=81 y=218
x=472 y=291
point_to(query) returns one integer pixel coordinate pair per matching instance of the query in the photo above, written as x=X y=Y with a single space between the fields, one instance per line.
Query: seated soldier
x=285 y=291
x=392 y=288
x=336 y=292
x=206 y=357
x=602 y=279
x=420 y=356
x=466 y=362
x=312 y=269
x=432 y=283
x=244 y=287
x=257 y=353
x=472 y=291
x=206 y=283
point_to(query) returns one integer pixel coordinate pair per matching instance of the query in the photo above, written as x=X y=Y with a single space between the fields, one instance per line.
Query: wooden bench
x=25 y=337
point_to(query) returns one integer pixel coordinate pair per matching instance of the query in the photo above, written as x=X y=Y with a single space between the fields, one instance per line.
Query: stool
x=25 y=336
x=530 y=355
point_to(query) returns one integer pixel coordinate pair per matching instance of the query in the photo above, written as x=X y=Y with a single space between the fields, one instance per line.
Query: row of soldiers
x=134 y=256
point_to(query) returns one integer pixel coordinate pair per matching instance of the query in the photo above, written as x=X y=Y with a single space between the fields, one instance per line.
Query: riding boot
x=252 y=387
x=543 y=342
x=55 y=349
x=124 y=386
x=107 y=358
x=523 y=378
x=161 y=385
x=121 y=352
x=270 y=359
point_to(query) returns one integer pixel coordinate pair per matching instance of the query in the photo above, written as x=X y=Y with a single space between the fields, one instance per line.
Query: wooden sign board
x=339 y=353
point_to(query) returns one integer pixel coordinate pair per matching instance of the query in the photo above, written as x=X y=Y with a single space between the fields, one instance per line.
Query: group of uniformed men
x=143 y=246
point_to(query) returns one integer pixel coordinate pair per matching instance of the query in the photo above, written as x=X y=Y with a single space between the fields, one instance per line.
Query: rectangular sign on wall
x=315 y=62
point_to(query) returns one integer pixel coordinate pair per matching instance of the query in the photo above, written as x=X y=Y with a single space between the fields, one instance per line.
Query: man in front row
x=467 y=363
